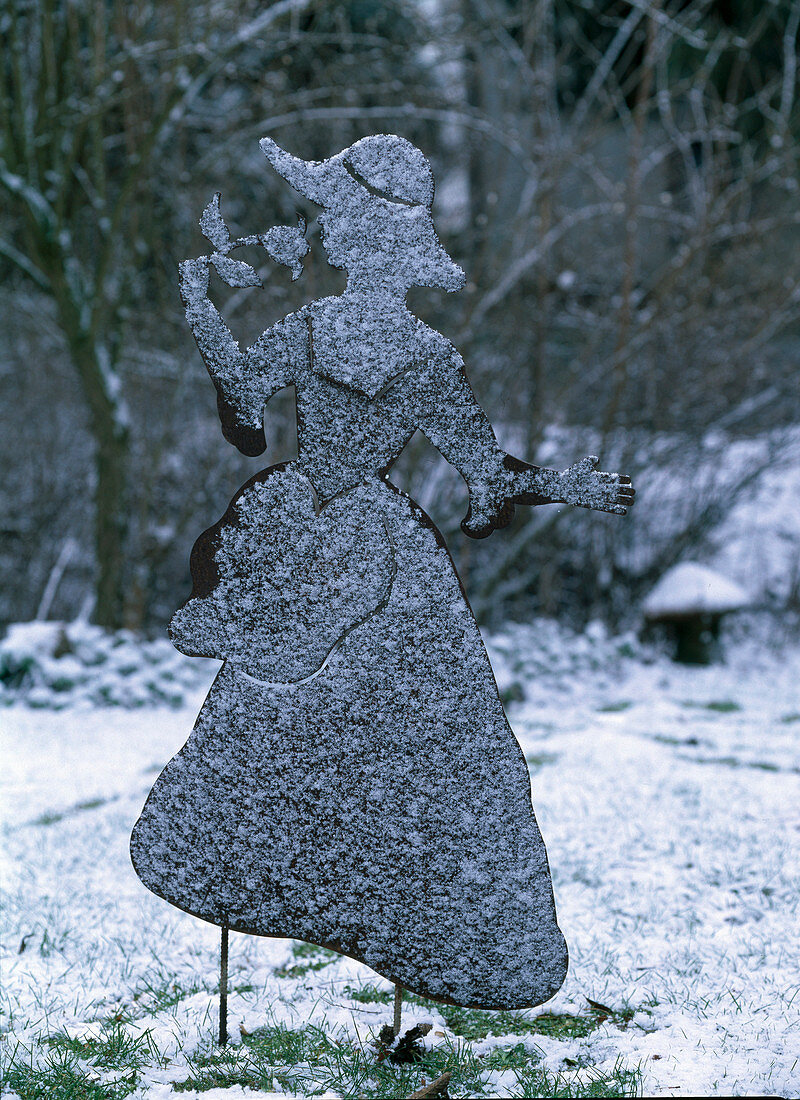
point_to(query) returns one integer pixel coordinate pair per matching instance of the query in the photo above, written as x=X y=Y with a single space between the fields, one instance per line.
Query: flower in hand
x=285 y=244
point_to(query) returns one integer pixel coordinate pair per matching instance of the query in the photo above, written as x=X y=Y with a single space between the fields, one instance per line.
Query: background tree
x=619 y=181
x=105 y=108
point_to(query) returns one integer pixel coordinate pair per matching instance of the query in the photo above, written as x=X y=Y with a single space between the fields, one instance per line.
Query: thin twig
x=437 y=1088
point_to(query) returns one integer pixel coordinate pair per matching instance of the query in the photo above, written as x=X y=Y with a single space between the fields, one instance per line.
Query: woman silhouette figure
x=351 y=779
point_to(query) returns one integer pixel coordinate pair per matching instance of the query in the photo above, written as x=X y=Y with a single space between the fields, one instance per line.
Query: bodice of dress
x=343 y=435
x=354 y=416
x=349 y=428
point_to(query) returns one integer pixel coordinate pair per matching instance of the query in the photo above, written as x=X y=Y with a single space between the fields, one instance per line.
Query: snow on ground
x=669 y=799
x=671 y=816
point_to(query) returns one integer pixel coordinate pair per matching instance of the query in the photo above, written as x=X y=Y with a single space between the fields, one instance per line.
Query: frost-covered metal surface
x=352 y=779
x=382 y=807
x=277 y=587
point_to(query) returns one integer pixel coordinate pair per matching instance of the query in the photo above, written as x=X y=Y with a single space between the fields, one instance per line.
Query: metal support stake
x=398 y=1007
x=223 y=987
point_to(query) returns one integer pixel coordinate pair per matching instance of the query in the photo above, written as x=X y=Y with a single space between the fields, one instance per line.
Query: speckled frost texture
x=351 y=779
x=285 y=585
x=359 y=401
x=381 y=808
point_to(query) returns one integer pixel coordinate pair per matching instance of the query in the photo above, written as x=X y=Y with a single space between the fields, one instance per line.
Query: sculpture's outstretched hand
x=491 y=505
x=586 y=487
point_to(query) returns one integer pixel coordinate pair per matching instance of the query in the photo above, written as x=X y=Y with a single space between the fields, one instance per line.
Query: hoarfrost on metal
x=351 y=779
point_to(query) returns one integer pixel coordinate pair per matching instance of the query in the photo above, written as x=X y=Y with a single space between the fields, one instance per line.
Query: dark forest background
x=619 y=180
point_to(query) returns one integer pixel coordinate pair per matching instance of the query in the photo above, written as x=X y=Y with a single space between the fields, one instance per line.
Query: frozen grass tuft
x=307 y=1061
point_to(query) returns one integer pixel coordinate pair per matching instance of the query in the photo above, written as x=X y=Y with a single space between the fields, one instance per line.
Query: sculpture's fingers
x=619 y=491
x=617 y=509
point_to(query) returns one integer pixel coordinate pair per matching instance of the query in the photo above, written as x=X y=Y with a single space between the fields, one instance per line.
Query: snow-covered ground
x=669 y=799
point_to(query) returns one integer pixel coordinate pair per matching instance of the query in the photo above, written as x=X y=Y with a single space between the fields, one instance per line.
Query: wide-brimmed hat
x=384 y=186
x=383 y=165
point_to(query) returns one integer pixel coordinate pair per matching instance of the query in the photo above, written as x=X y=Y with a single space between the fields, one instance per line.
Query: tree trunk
x=111 y=522
x=109 y=428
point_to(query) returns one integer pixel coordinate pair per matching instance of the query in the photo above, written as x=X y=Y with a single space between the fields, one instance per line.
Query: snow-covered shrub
x=545 y=651
x=56 y=665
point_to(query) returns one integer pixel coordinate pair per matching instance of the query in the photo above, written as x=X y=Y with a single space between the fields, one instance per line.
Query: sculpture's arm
x=450 y=416
x=244 y=380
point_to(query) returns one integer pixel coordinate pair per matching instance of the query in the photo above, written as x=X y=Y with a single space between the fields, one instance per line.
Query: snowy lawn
x=669 y=799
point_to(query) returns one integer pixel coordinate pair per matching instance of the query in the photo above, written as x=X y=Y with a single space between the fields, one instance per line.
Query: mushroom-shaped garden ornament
x=689 y=601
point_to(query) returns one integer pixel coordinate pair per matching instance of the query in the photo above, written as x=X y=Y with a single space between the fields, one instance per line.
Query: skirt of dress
x=380 y=807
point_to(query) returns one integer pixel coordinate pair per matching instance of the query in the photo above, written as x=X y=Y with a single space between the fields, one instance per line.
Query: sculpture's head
x=376 y=222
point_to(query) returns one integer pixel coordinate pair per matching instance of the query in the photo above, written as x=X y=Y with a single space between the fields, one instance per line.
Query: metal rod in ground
x=223 y=987
x=398 y=1007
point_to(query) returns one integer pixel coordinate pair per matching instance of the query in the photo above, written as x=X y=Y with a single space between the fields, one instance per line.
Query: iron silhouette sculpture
x=351 y=779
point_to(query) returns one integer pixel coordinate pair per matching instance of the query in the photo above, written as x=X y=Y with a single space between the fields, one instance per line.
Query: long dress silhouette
x=351 y=779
